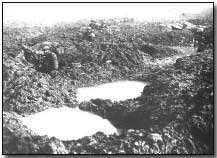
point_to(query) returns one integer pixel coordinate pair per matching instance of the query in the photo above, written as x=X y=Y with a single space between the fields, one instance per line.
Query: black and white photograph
x=124 y=78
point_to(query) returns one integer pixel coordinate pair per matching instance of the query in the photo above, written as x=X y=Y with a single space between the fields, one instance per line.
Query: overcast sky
x=51 y=13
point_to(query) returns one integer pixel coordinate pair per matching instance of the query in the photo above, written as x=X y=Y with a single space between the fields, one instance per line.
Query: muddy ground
x=174 y=114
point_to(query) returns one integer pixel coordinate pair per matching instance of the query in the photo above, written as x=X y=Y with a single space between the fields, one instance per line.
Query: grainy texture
x=174 y=114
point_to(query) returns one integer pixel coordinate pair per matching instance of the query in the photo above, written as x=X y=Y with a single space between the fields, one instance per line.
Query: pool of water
x=116 y=91
x=67 y=123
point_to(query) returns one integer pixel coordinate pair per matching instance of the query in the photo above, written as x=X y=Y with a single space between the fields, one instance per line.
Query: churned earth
x=172 y=114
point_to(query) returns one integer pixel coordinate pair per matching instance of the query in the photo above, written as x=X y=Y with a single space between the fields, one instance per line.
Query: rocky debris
x=199 y=95
x=27 y=91
x=18 y=139
x=56 y=147
x=174 y=115
x=158 y=51
x=204 y=38
x=184 y=94
x=172 y=139
x=188 y=94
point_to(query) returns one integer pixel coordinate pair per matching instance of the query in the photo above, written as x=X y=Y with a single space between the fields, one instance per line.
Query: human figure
x=45 y=59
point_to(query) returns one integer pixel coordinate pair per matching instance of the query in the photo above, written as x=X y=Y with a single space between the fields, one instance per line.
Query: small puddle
x=166 y=61
x=116 y=91
x=67 y=123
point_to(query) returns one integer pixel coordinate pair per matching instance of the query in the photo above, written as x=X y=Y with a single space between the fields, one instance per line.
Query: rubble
x=174 y=115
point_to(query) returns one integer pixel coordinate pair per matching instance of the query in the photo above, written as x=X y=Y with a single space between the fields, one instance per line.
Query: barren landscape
x=172 y=115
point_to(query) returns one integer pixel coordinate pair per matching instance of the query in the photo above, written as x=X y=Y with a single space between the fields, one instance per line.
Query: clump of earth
x=172 y=115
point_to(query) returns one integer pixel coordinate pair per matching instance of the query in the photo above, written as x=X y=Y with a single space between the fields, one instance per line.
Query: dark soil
x=174 y=114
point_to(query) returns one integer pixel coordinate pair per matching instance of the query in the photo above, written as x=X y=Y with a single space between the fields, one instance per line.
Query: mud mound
x=121 y=56
x=200 y=95
x=164 y=106
x=174 y=115
x=28 y=91
x=19 y=140
x=137 y=142
x=187 y=93
x=184 y=94
x=158 y=51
